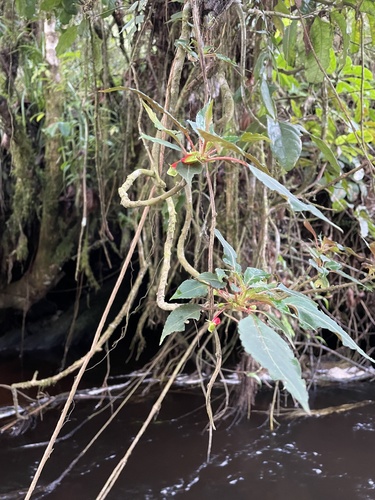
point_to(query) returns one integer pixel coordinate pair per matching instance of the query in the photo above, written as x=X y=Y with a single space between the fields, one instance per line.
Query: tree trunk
x=56 y=240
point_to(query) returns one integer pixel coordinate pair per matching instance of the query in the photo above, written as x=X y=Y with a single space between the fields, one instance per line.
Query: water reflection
x=330 y=457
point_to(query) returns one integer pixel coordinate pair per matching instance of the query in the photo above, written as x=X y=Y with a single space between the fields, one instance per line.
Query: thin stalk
x=88 y=356
x=154 y=411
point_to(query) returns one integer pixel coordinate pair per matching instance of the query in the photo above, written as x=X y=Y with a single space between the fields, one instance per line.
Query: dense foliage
x=240 y=140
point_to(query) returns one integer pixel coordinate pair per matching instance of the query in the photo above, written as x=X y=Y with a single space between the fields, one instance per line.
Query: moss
x=25 y=188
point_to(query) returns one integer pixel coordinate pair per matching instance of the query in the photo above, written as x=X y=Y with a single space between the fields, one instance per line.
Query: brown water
x=330 y=457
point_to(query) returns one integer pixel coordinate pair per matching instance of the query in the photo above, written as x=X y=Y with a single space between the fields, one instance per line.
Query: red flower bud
x=216 y=321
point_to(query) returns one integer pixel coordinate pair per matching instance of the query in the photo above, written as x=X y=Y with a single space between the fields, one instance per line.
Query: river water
x=328 y=457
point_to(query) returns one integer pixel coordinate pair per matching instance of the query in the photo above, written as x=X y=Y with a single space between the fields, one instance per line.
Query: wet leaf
x=274 y=354
x=176 y=321
x=190 y=289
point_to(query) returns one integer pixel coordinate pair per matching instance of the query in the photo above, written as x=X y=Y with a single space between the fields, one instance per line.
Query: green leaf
x=204 y=117
x=253 y=275
x=152 y=103
x=356 y=35
x=281 y=7
x=232 y=138
x=328 y=155
x=230 y=256
x=48 y=5
x=221 y=274
x=212 y=279
x=281 y=324
x=70 y=7
x=66 y=39
x=155 y=120
x=321 y=270
x=159 y=126
x=296 y=204
x=321 y=36
x=290 y=43
x=333 y=62
x=311 y=316
x=352 y=138
x=64 y=128
x=226 y=59
x=26 y=8
x=216 y=139
x=51 y=129
x=175 y=17
x=307 y=6
x=260 y=64
x=176 y=321
x=267 y=99
x=368 y=7
x=286 y=143
x=65 y=17
x=167 y=144
x=250 y=137
x=371 y=22
x=108 y=7
x=187 y=171
x=190 y=289
x=344 y=87
x=275 y=355
x=351 y=278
